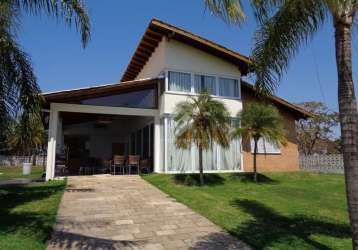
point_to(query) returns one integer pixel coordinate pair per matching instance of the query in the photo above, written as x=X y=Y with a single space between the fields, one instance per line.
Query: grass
x=28 y=212
x=284 y=211
x=13 y=172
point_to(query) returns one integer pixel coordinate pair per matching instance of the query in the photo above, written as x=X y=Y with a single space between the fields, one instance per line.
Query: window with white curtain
x=229 y=87
x=264 y=147
x=204 y=83
x=178 y=81
x=215 y=158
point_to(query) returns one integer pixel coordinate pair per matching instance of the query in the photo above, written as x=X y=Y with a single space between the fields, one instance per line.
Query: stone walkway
x=126 y=212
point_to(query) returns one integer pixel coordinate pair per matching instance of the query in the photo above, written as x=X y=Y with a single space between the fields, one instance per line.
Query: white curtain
x=179 y=81
x=204 y=83
x=229 y=87
x=264 y=147
x=216 y=158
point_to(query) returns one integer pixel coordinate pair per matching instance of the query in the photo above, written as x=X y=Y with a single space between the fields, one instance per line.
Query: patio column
x=157 y=149
x=51 y=145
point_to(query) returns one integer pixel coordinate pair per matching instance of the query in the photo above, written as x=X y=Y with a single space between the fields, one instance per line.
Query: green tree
x=19 y=90
x=202 y=121
x=318 y=128
x=286 y=25
x=26 y=135
x=261 y=121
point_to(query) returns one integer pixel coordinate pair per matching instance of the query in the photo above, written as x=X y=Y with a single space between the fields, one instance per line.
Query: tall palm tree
x=285 y=25
x=19 y=90
x=202 y=120
x=261 y=121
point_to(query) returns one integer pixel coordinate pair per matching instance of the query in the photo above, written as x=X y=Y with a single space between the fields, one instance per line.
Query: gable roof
x=154 y=34
x=298 y=111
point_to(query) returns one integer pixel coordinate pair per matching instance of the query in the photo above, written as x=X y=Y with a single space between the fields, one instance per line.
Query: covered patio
x=110 y=129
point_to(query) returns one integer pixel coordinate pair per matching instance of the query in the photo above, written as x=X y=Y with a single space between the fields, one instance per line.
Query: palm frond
x=280 y=37
x=230 y=11
x=73 y=12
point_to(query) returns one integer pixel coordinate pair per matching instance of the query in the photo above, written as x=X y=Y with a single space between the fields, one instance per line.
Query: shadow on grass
x=249 y=177
x=269 y=227
x=194 y=179
x=17 y=220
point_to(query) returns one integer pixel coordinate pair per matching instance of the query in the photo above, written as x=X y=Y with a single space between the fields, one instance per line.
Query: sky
x=60 y=62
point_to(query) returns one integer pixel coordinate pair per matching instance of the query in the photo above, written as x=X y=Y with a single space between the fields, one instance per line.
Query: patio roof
x=99 y=90
x=154 y=34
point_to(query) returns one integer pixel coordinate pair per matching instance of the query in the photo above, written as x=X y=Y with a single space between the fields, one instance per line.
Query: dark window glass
x=146 y=142
x=138 y=143
x=132 y=151
x=137 y=99
x=152 y=139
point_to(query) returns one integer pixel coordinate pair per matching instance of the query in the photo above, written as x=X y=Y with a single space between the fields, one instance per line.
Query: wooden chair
x=145 y=165
x=133 y=161
x=118 y=162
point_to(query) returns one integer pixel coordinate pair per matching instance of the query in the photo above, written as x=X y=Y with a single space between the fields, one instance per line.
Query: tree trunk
x=201 y=166
x=349 y=120
x=255 y=153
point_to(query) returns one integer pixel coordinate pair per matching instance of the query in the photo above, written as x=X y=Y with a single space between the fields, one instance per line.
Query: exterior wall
x=169 y=102
x=286 y=161
x=155 y=64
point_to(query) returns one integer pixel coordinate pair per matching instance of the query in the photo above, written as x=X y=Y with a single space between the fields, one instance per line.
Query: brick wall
x=287 y=160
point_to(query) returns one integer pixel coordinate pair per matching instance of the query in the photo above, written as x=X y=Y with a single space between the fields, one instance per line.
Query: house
x=135 y=115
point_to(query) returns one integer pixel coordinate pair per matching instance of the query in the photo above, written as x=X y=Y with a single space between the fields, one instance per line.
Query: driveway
x=126 y=212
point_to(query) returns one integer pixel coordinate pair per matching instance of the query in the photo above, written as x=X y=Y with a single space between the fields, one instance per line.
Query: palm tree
x=285 y=25
x=261 y=121
x=19 y=90
x=26 y=135
x=202 y=120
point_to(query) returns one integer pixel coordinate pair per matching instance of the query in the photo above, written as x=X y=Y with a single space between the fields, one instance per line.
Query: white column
x=51 y=146
x=158 y=152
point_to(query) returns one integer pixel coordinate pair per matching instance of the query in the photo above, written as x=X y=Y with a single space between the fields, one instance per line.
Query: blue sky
x=61 y=63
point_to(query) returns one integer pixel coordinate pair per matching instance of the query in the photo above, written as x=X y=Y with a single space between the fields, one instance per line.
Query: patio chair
x=118 y=162
x=144 y=165
x=133 y=161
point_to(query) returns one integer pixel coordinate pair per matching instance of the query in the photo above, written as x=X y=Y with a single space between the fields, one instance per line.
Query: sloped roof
x=154 y=34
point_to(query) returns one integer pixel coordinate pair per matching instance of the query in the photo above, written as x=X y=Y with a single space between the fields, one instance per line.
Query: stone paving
x=126 y=212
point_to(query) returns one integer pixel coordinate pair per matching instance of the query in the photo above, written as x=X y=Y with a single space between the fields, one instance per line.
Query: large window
x=179 y=81
x=264 y=147
x=204 y=83
x=229 y=87
x=215 y=158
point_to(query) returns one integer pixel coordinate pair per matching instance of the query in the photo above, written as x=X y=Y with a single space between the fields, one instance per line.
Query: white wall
x=156 y=62
x=170 y=101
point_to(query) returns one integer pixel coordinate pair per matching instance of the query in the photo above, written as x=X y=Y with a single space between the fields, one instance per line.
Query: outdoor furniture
x=133 y=161
x=144 y=165
x=118 y=162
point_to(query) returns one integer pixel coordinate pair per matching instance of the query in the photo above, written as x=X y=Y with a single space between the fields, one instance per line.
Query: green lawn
x=28 y=212
x=13 y=172
x=284 y=211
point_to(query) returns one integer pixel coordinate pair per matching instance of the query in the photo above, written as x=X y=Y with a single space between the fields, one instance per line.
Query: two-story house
x=135 y=116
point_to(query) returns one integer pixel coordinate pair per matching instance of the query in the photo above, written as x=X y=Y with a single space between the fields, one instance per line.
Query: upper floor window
x=204 y=83
x=265 y=147
x=229 y=87
x=178 y=81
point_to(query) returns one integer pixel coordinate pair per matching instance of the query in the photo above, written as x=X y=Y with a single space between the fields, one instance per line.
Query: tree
x=286 y=25
x=318 y=128
x=202 y=120
x=261 y=121
x=26 y=135
x=19 y=91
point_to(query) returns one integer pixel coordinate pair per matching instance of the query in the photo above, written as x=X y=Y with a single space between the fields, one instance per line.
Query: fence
x=12 y=160
x=322 y=163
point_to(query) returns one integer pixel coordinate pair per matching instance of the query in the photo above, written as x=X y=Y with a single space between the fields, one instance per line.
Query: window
x=138 y=150
x=264 y=147
x=179 y=81
x=229 y=87
x=146 y=142
x=204 y=83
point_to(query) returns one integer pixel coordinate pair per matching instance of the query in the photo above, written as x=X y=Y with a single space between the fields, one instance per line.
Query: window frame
x=278 y=152
x=192 y=81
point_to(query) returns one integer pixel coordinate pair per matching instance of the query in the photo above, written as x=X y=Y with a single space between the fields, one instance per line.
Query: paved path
x=126 y=212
